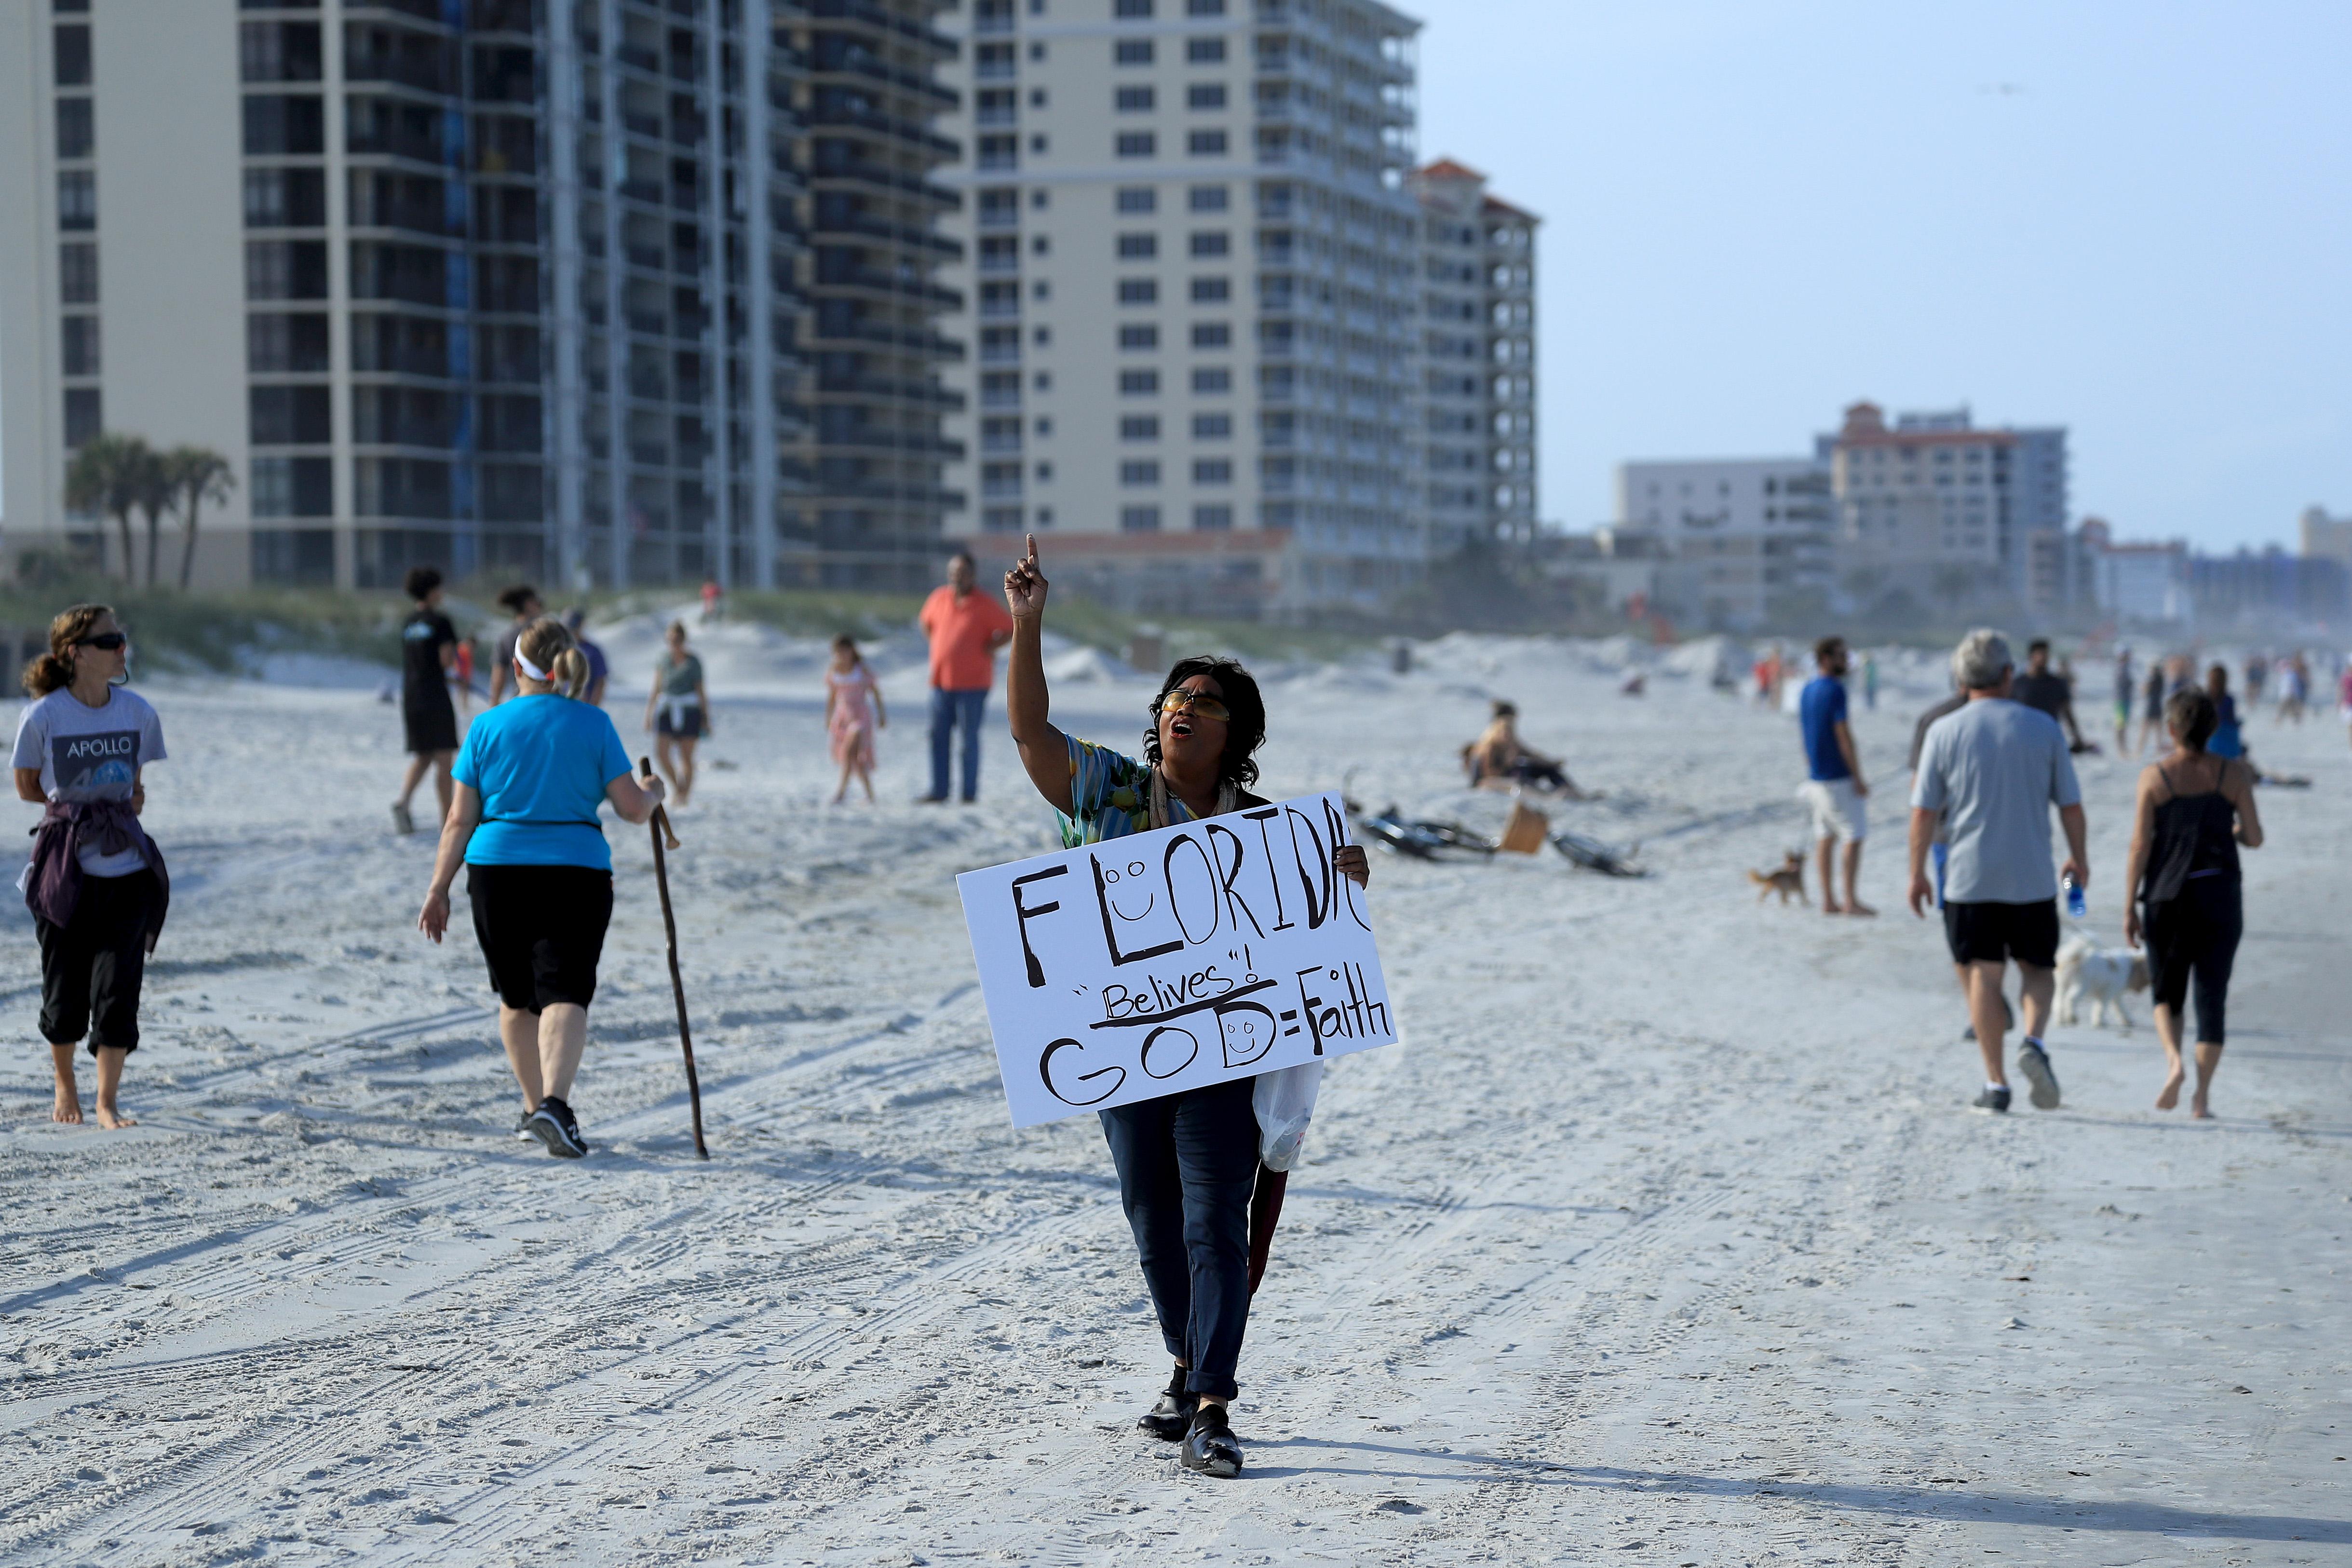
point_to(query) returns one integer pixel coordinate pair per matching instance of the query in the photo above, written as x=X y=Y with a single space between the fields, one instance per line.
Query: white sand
x=1665 y=1235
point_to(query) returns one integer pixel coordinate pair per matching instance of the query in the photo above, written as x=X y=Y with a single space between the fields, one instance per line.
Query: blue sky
x=2134 y=220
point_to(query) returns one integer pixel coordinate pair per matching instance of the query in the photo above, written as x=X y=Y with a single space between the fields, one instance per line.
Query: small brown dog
x=1788 y=879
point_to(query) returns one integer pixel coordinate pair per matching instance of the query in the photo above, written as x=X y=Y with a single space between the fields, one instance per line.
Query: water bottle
x=2077 y=905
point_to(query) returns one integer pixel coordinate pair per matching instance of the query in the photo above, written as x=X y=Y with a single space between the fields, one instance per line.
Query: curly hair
x=1245 y=731
x=54 y=670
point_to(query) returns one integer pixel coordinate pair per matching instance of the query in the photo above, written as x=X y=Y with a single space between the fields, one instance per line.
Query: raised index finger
x=1032 y=560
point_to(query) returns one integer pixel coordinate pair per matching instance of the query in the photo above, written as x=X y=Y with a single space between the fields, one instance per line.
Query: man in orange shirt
x=965 y=627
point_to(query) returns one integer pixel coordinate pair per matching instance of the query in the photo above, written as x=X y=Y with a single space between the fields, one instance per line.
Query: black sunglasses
x=110 y=641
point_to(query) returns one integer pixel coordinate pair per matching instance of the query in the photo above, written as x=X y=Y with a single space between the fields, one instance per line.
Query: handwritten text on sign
x=1171 y=960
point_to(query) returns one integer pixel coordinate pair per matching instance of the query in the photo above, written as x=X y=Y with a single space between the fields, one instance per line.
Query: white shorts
x=1838 y=810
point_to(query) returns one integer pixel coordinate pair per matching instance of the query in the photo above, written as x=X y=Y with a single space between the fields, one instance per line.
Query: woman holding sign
x=1188 y=1162
x=538 y=872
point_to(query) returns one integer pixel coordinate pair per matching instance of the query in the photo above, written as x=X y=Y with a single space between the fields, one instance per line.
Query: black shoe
x=2034 y=1063
x=1209 y=1446
x=1995 y=1100
x=930 y=800
x=553 y=1124
x=522 y=1126
x=1171 y=1417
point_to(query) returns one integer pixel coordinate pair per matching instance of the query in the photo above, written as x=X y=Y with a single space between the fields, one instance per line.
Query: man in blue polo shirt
x=1834 y=789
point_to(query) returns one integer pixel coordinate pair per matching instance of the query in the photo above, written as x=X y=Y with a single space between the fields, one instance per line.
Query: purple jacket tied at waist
x=53 y=881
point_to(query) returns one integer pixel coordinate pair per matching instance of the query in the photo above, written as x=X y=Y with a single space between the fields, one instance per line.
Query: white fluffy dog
x=2100 y=976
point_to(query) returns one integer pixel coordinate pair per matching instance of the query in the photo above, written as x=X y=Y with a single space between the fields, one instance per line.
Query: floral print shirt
x=1110 y=796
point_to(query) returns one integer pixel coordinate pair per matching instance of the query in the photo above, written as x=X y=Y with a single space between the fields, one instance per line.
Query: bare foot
x=1831 y=909
x=2170 y=1096
x=1857 y=907
x=2198 y=1109
x=108 y=1116
x=69 y=1106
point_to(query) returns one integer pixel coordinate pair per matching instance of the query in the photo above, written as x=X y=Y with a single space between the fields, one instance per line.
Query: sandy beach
x=1665 y=1235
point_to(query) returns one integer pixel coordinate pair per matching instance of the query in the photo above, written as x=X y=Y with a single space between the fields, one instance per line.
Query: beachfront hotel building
x=1947 y=515
x=594 y=291
x=1192 y=282
x=1478 y=360
x=1739 y=542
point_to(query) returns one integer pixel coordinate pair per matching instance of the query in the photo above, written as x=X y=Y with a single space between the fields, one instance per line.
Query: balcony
x=865 y=13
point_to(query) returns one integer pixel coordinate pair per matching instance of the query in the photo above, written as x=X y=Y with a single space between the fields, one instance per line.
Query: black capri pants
x=93 y=966
x=2196 y=936
x=543 y=930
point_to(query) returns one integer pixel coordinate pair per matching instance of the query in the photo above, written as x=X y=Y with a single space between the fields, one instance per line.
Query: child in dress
x=853 y=712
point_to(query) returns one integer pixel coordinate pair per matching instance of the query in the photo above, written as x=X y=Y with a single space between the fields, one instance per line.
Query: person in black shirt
x=428 y=647
x=2041 y=687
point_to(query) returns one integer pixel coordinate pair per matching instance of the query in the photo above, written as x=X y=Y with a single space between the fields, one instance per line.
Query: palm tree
x=197 y=474
x=110 y=475
x=156 y=494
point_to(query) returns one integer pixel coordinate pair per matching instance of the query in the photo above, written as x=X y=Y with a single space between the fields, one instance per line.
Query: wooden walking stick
x=1265 y=1211
x=661 y=830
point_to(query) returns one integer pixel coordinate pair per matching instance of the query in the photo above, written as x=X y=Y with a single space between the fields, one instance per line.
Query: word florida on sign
x=1171 y=960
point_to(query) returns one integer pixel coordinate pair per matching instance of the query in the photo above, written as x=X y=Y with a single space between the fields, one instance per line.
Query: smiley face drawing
x=1135 y=921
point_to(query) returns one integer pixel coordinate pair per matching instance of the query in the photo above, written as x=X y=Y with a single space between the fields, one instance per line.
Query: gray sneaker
x=2034 y=1063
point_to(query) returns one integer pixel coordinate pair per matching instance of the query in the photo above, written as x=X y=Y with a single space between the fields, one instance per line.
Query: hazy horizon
x=2132 y=224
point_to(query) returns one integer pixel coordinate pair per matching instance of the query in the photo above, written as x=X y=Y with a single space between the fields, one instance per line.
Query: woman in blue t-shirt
x=537 y=873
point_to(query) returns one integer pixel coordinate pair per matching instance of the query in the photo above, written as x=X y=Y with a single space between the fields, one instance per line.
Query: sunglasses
x=110 y=641
x=1178 y=700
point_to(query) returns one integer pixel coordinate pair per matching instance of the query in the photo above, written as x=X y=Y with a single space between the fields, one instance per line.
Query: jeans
x=1187 y=1165
x=949 y=708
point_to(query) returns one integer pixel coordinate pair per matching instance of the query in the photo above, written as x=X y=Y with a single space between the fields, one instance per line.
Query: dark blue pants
x=949 y=708
x=1187 y=1165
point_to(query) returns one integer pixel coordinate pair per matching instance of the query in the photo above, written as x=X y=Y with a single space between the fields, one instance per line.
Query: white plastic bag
x=1284 y=1103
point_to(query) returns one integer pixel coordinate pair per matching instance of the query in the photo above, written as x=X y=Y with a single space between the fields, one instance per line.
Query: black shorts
x=543 y=930
x=687 y=726
x=430 y=719
x=1989 y=933
x=92 y=965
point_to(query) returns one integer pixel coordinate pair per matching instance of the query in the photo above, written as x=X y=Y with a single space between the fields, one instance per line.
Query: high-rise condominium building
x=1193 y=276
x=1740 y=540
x=1947 y=513
x=1478 y=359
x=592 y=290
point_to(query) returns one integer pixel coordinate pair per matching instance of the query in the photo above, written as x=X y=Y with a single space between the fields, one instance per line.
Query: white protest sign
x=1171 y=960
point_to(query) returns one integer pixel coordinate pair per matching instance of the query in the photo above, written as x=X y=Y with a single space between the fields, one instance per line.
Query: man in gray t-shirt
x=1991 y=771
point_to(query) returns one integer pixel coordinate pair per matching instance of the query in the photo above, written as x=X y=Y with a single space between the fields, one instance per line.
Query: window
x=1206 y=144
x=1129 y=10
x=1205 y=7
x=76 y=198
x=1142 y=472
x=1205 y=95
x=289 y=416
x=77 y=132
x=77 y=273
x=285 y=198
x=998 y=152
x=1212 y=242
x=79 y=342
x=1138 y=382
x=1212 y=380
x=293 y=487
x=1139 y=520
x=278 y=51
x=1137 y=246
x=282 y=343
x=1138 y=291
x=286 y=269
x=1001 y=519
x=1138 y=337
x=1208 y=198
x=1139 y=427
x=1212 y=471
x=1205 y=51
x=1211 y=290
x=1137 y=145
x=1133 y=52
x=84 y=416
x=1211 y=335
x=279 y=125
x=1135 y=100
x=73 y=56
x=1000 y=206
x=1212 y=518
x=1138 y=199
x=1212 y=426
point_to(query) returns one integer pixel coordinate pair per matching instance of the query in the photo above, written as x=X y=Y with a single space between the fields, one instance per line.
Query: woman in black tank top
x=2182 y=892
